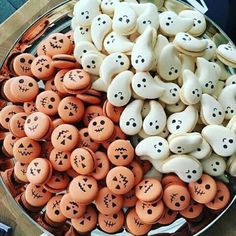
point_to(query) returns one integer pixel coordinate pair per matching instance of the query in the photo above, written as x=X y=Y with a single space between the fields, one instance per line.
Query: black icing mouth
x=25 y=68
x=24 y=153
x=81 y=187
x=106 y=201
x=124 y=178
x=137 y=222
x=33 y=128
x=109 y=223
x=23 y=89
x=54 y=45
x=84 y=144
x=148 y=188
x=19 y=125
x=198 y=191
x=35 y=194
x=121 y=149
x=99 y=130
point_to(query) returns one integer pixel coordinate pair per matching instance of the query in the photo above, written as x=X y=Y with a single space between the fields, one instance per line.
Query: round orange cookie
x=168 y=217
x=29 y=107
x=63 y=61
x=130 y=199
x=8 y=144
x=112 y=112
x=120 y=180
x=193 y=211
x=16 y=124
x=22 y=64
x=90 y=113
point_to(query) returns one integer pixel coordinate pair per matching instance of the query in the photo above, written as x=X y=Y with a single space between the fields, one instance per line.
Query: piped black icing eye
x=115 y=216
x=22 y=60
x=30 y=61
x=86 y=134
x=102 y=122
x=94 y=123
x=28 y=121
x=31 y=85
x=207 y=186
x=199 y=181
x=36 y=118
x=21 y=81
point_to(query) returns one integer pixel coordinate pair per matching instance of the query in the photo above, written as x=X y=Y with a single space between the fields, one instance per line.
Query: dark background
x=220 y=11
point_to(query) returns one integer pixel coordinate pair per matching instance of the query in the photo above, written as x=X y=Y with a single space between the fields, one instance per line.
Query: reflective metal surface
x=58 y=20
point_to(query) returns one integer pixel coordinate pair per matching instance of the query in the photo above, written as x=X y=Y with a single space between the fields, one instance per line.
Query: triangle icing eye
x=30 y=145
x=100 y=165
x=60 y=163
x=55 y=38
x=82 y=158
x=221 y=198
x=63 y=142
x=117 y=186
x=36 y=164
x=38 y=171
x=140 y=187
x=113 y=197
x=85 y=179
x=191 y=209
x=61 y=40
x=21 y=145
x=82 y=222
x=83 y=165
x=81 y=77
x=89 y=218
x=67 y=208
x=113 y=204
x=47 y=66
x=70 y=137
x=66 y=107
x=115 y=179
x=70 y=114
x=90 y=186
x=75 y=212
x=40 y=69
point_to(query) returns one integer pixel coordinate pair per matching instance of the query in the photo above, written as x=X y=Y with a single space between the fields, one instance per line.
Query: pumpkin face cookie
x=8 y=144
x=111 y=223
x=120 y=180
x=60 y=160
x=26 y=149
x=16 y=124
x=83 y=189
x=22 y=64
x=90 y=113
x=100 y=128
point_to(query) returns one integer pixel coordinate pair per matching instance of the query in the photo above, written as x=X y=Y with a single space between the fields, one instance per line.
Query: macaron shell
x=65 y=137
x=36 y=195
x=82 y=161
x=39 y=171
x=120 y=152
x=90 y=113
x=193 y=211
x=26 y=149
x=149 y=212
x=37 y=125
x=137 y=170
x=53 y=210
x=107 y=202
x=102 y=165
x=100 y=128
x=87 y=222
x=111 y=223
x=59 y=78
x=171 y=178
x=120 y=180
x=6 y=91
x=204 y=190
x=83 y=189
x=149 y=189
x=24 y=88
x=134 y=224
x=47 y=102
x=76 y=79
x=46 y=148
x=91 y=96
x=71 y=109
x=22 y=64
x=221 y=199
x=176 y=197
x=71 y=209
x=168 y=217
x=42 y=68
x=16 y=124
x=64 y=61
x=6 y=114
x=29 y=107
x=130 y=199
x=60 y=160
x=41 y=48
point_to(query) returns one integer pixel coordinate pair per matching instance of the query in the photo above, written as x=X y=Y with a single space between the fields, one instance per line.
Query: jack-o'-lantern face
x=61 y=157
x=86 y=141
x=25 y=150
x=22 y=64
x=29 y=107
x=87 y=222
x=203 y=190
x=17 y=124
x=120 y=152
x=168 y=216
x=111 y=223
x=71 y=208
x=192 y=211
x=36 y=195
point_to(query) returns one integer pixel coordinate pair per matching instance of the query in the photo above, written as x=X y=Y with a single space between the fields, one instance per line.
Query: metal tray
x=58 y=20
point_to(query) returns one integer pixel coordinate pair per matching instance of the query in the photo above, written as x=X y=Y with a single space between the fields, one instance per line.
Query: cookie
x=120 y=152
x=191 y=90
x=199 y=21
x=58 y=81
x=214 y=165
x=107 y=202
x=149 y=213
x=111 y=223
x=221 y=139
x=168 y=217
x=204 y=190
x=112 y=112
x=60 y=160
x=42 y=68
x=203 y=151
x=37 y=125
x=184 y=143
x=176 y=197
x=102 y=165
x=90 y=113
x=71 y=109
x=25 y=150
x=172 y=24
x=186 y=167
x=210 y=51
x=71 y=209
x=22 y=64
x=119 y=91
x=129 y=199
x=192 y=212
x=169 y=64
x=149 y=190
x=39 y=171
x=154 y=147
x=20 y=172
x=131 y=119
x=120 y=180
x=134 y=224
x=83 y=189
x=176 y=123
x=47 y=102
x=16 y=124
x=82 y=161
x=63 y=61
x=81 y=33
x=65 y=137
x=145 y=86
x=100 y=129
x=212 y=112
x=8 y=144
x=91 y=96
x=29 y=107
x=226 y=54
x=137 y=170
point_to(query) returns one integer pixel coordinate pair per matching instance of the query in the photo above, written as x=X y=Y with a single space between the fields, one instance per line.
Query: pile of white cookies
x=179 y=98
